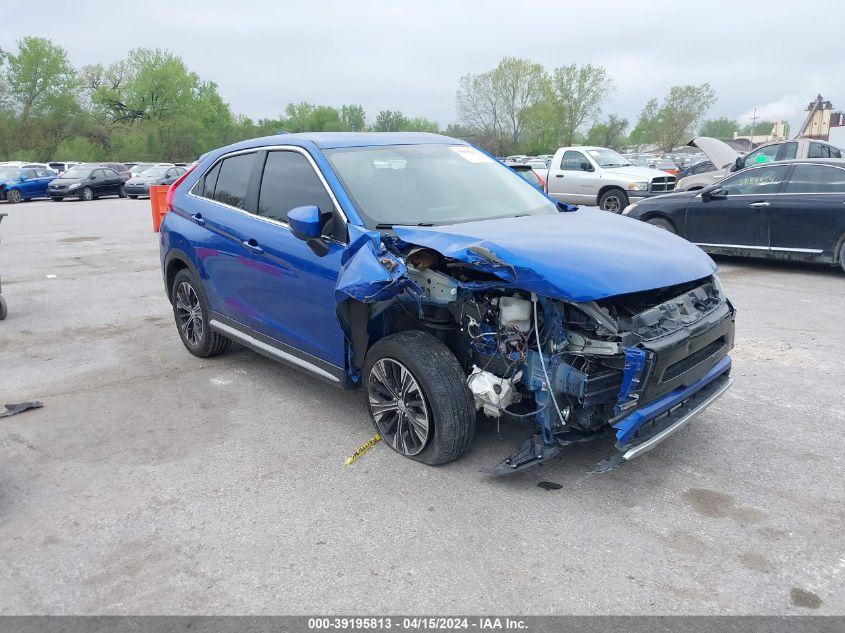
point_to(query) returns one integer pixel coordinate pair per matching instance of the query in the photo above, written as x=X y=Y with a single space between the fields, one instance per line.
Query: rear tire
x=4 y=311
x=842 y=257
x=13 y=196
x=613 y=200
x=121 y=193
x=190 y=310
x=662 y=223
x=418 y=398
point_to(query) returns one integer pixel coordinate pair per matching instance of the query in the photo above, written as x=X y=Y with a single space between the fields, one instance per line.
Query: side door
x=809 y=216
x=222 y=204
x=113 y=181
x=29 y=184
x=99 y=182
x=44 y=177
x=295 y=289
x=734 y=218
x=571 y=182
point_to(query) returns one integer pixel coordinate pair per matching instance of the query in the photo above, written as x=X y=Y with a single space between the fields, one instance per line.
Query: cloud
x=787 y=108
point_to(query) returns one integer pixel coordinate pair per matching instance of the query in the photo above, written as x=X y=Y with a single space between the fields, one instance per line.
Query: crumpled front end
x=571 y=370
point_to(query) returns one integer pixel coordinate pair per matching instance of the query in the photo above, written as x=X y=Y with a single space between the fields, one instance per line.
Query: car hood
x=582 y=255
x=718 y=152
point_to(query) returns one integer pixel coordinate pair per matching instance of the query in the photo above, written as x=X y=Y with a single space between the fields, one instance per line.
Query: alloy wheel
x=612 y=204
x=189 y=313
x=14 y=196
x=398 y=406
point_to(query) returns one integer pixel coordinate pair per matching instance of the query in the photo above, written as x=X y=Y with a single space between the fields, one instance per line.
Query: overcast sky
x=775 y=55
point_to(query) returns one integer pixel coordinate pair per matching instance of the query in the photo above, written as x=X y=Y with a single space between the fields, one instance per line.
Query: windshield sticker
x=470 y=154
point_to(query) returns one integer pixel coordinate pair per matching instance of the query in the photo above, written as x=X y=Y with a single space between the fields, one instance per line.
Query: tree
x=760 y=128
x=610 y=133
x=353 y=117
x=722 y=127
x=579 y=92
x=676 y=119
x=390 y=121
x=496 y=103
x=645 y=131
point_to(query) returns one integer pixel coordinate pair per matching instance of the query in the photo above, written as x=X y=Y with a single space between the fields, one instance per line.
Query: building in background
x=777 y=133
x=820 y=118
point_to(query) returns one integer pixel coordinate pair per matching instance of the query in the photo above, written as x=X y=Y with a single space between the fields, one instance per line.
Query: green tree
x=674 y=122
x=390 y=121
x=722 y=127
x=579 y=93
x=645 y=131
x=354 y=117
x=761 y=128
x=609 y=133
x=497 y=103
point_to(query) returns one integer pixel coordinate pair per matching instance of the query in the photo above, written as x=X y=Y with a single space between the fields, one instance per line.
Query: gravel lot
x=156 y=482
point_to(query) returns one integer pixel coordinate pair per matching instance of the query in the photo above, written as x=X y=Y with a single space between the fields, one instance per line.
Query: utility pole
x=753 y=125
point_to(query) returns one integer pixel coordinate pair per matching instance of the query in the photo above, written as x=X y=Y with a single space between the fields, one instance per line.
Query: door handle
x=197 y=217
x=760 y=205
x=558 y=175
x=253 y=246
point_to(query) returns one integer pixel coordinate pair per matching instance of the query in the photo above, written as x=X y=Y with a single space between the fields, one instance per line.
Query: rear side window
x=817 y=150
x=233 y=180
x=288 y=182
x=790 y=150
x=571 y=161
x=835 y=152
x=816 y=179
x=206 y=185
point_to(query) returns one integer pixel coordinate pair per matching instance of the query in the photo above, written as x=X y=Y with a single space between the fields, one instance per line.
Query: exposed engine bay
x=568 y=369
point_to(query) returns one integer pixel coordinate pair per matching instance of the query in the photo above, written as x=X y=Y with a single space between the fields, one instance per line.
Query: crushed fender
x=14 y=409
x=363 y=449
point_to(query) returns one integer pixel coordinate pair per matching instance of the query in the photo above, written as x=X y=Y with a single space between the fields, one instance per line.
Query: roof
x=331 y=140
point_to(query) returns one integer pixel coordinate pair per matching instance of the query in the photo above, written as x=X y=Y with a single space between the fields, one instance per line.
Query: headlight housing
x=637 y=186
x=717 y=287
x=75 y=185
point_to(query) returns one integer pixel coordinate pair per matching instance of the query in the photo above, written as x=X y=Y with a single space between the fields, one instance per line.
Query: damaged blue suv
x=426 y=273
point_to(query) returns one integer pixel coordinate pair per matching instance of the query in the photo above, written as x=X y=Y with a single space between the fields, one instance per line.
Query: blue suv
x=426 y=273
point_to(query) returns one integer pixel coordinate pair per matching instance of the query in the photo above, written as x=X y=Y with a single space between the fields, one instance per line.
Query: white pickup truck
x=600 y=176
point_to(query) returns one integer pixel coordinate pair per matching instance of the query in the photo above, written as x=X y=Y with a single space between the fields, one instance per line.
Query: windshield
x=9 y=173
x=154 y=172
x=140 y=167
x=432 y=184
x=75 y=173
x=608 y=158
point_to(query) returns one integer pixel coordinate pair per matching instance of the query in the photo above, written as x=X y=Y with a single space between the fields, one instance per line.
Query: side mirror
x=713 y=192
x=585 y=166
x=21 y=178
x=305 y=224
x=739 y=163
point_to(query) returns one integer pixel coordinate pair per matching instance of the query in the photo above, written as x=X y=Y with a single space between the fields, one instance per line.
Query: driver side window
x=762 y=155
x=571 y=161
x=762 y=180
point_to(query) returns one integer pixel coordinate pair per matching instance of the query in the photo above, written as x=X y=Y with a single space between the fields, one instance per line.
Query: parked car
x=601 y=176
x=516 y=158
x=784 y=210
x=422 y=271
x=729 y=160
x=529 y=174
x=701 y=167
x=62 y=166
x=140 y=168
x=120 y=168
x=21 y=183
x=140 y=185
x=87 y=182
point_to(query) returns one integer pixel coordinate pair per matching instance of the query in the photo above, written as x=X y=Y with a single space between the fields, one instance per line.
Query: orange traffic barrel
x=158 y=202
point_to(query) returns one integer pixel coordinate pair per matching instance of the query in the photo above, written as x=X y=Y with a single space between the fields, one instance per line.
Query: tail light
x=168 y=201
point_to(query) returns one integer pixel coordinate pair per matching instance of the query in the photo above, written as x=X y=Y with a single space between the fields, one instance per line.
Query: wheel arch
x=175 y=261
x=658 y=213
x=605 y=188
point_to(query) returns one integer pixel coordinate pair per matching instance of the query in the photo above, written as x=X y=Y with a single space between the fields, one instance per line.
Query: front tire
x=190 y=309
x=13 y=196
x=613 y=200
x=662 y=223
x=86 y=194
x=4 y=311
x=418 y=398
x=842 y=257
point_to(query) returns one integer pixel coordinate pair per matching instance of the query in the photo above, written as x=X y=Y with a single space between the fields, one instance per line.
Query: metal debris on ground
x=14 y=409
x=363 y=449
